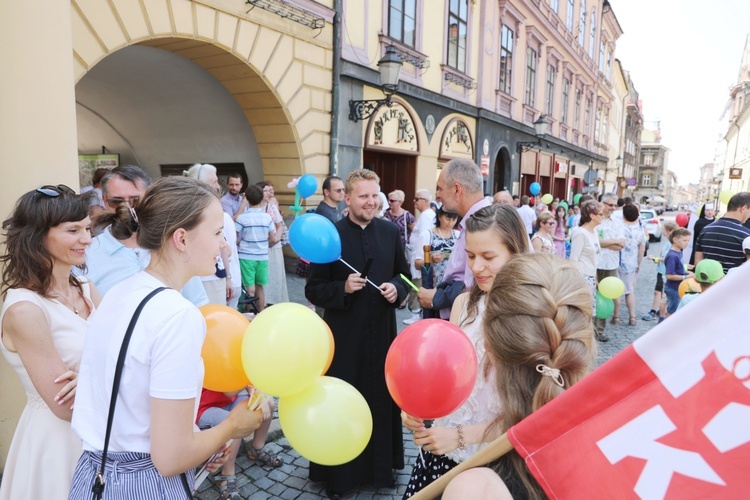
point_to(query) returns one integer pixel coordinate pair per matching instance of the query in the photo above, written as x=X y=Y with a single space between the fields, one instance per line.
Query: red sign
x=485 y=166
x=668 y=417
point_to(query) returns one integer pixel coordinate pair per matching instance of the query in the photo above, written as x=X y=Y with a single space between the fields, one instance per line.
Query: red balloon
x=431 y=369
x=682 y=220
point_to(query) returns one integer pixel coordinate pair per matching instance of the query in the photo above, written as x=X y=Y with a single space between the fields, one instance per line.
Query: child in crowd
x=707 y=273
x=214 y=408
x=660 y=303
x=674 y=268
x=256 y=232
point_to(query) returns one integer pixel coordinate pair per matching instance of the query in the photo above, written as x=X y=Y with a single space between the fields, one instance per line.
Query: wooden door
x=395 y=172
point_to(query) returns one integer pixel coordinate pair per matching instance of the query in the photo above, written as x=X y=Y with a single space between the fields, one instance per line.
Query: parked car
x=652 y=224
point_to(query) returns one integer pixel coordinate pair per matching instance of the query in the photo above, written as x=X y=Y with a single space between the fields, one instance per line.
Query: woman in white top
x=542 y=241
x=44 y=318
x=154 y=439
x=494 y=235
x=275 y=292
x=584 y=246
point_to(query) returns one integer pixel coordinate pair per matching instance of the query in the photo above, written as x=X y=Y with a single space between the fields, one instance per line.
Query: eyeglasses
x=395 y=201
x=611 y=205
x=417 y=199
x=54 y=191
x=130 y=201
x=339 y=190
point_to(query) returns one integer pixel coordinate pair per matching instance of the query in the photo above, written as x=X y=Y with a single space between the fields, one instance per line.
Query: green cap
x=708 y=271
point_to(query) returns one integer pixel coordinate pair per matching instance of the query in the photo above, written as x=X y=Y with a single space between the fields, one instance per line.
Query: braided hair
x=538 y=319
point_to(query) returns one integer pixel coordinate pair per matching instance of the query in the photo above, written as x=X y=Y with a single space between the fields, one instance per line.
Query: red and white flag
x=668 y=417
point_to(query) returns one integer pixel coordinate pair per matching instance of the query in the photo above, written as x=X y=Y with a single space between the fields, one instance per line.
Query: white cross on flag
x=668 y=417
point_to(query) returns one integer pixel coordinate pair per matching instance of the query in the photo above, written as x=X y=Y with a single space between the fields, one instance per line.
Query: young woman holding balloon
x=152 y=443
x=540 y=341
x=494 y=236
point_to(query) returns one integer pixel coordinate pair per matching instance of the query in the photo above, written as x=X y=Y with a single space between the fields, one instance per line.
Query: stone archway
x=280 y=79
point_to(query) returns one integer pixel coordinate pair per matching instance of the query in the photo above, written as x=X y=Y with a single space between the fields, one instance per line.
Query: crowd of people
x=105 y=335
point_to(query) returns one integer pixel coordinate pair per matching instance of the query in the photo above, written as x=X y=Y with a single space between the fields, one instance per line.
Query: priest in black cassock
x=363 y=321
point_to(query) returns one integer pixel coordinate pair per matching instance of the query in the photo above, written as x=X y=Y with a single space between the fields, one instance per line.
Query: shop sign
x=561 y=167
x=735 y=173
x=393 y=128
x=456 y=142
x=485 y=166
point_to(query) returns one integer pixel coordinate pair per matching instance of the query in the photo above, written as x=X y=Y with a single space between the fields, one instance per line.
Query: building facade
x=652 y=170
x=736 y=167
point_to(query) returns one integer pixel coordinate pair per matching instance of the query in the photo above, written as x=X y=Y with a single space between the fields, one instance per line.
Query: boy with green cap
x=707 y=273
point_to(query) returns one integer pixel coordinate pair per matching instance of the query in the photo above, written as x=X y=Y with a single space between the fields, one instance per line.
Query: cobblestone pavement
x=290 y=480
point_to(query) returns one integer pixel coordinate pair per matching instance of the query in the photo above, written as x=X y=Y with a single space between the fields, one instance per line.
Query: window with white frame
x=577 y=114
x=554 y=5
x=458 y=14
x=531 y=60
x=605 y=132
x=570 y=15
x=565 y=101
x=608 y=69
x=506 y=60
x=602 y=49
x=648 y=159
x=592 y=34
x=582 y=24
x=402 y=21
x=549 y=100
x=587 y=116
x=597 y=123
x=646 y=180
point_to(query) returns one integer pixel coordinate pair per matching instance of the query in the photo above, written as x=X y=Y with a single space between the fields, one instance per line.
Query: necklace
x=64 y=301
x=156 y=274
x=440 y=233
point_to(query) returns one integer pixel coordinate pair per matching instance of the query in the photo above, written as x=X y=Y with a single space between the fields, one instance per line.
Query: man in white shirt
x=425 y=222
x=611 y=239
x=528 y=216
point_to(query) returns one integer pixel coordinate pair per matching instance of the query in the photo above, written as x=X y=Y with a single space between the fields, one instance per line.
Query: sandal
x=228 y=486
x=631 y=322
x=615 y=321
x=264 y=457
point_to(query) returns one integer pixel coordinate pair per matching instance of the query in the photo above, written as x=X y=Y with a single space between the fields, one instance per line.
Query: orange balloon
x=689 y=285
x=330 y=354
x=222 y=348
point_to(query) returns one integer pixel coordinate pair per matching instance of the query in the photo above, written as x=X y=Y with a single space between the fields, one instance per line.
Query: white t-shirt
x=163 y=361
x=425 y=222
x=528 y=216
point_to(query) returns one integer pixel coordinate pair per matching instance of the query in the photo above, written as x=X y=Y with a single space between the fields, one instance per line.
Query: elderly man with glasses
x=425 y=222
x=611 y=233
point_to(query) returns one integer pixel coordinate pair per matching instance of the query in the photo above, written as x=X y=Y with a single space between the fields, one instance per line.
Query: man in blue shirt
x=232 y=199
x=110 y=260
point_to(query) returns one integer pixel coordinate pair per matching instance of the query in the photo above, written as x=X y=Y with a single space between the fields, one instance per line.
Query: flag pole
x=493 y=451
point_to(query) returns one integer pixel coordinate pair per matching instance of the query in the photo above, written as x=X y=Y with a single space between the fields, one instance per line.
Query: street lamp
x=389 y=67
x=540 y=130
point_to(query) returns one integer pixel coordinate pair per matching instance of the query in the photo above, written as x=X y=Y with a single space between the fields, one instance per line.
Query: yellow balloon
x=285 y=348
x=611 y=287
x=328 y=423
x=547 y=199
x=725 y=196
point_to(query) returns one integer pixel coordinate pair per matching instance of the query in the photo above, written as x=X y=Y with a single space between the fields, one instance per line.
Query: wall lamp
x=540 y=130
x=389 y=67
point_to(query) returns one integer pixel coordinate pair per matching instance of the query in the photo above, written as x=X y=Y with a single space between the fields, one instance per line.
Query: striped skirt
x=127 y=476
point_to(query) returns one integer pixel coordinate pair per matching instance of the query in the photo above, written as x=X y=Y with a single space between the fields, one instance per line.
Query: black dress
x=363 y=326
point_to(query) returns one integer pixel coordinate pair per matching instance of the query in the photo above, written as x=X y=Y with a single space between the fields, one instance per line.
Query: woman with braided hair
x=540 y=341
x=495 y=235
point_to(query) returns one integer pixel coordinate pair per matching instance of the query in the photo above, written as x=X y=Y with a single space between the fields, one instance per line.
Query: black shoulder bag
x=98 y=488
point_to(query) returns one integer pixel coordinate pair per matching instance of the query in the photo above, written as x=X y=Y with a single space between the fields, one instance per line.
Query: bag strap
x=98 y=487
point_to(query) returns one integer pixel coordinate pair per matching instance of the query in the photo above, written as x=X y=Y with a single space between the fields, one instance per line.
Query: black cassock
x=363 y=326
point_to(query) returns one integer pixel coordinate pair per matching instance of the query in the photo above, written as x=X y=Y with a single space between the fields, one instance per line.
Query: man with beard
x=363 y=321
x=232 y=199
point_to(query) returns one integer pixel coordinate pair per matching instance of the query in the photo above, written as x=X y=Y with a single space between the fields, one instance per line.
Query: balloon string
x=350 y=267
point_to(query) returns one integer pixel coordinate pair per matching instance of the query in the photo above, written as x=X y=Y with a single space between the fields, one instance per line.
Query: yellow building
x=736 y=168
x=161 y=84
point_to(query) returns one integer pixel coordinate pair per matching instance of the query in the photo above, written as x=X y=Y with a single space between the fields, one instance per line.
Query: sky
x=683 y=56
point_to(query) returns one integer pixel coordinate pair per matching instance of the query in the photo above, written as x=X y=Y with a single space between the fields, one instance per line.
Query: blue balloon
x=315 y=238
x=307 y=185
x=535 y=188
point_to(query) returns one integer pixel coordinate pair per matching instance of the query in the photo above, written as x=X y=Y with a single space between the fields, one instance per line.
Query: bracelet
x=461 y=442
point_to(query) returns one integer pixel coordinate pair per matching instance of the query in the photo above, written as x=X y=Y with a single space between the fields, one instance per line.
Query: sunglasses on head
x=54 y=191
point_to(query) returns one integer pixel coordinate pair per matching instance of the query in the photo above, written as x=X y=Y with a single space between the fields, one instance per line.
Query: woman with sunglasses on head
x=153 y=445
x=494 y=236
x=441 y=239
x=44 y=320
